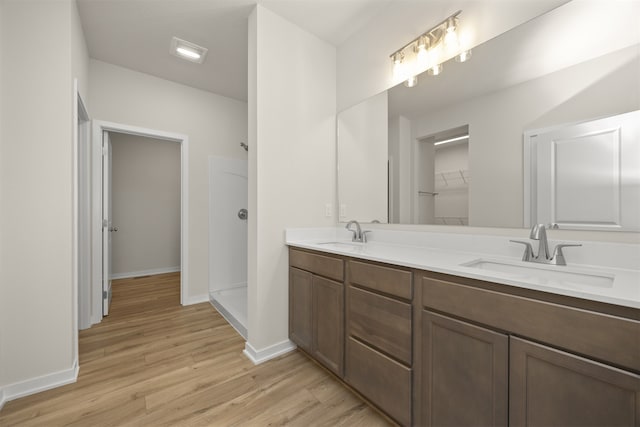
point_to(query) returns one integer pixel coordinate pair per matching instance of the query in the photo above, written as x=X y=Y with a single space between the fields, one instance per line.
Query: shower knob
x=242 y=214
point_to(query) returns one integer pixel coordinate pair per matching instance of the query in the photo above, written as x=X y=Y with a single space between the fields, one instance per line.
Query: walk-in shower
x=228 y=240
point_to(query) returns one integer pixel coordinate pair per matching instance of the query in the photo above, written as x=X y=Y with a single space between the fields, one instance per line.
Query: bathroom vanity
x=429 y=347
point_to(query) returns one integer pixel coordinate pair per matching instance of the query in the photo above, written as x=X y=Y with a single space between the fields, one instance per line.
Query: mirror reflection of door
x=442 y=178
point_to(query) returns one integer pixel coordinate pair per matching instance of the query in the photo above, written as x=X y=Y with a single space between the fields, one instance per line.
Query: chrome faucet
x=359 y=235
x=539 y=232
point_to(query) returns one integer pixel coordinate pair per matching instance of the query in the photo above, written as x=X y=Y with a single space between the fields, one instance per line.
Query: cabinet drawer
x=383 y=322
x=326 y=266
x=382 y=279
x=381 y=379
x=612 y=339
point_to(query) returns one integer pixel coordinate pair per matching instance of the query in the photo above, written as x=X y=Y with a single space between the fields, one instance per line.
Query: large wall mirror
x=451 y=149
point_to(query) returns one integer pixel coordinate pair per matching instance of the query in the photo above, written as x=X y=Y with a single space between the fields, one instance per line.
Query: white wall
x=215 y=126
x=291 y=160
x=364 y=67
x=79 y=54
x=605 y=86
x=146 y=205
x=362 y=160
x=3 y=298
x=36 y=313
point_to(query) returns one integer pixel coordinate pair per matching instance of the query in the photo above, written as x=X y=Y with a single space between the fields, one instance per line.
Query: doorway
x=101 y=228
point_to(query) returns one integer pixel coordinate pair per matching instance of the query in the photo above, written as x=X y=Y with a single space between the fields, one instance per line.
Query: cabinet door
x=549 y=387
x=464 y=374
x=301 y=308
x=328 y=323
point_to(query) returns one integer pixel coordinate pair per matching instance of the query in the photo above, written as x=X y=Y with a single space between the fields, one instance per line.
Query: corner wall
x=36 y=304
x=292 y=102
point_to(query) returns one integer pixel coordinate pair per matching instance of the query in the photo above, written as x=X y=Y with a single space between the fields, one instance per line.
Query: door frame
x=98 y=127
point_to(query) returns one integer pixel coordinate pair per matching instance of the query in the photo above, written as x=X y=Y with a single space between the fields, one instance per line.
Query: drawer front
x=383 y=322
x=380 y=379
x=608 y=338
x=326 y=266
x=382 y=279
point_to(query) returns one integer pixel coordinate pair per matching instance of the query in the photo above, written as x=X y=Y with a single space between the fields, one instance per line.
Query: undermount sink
x=344 y=245
x=545 y=274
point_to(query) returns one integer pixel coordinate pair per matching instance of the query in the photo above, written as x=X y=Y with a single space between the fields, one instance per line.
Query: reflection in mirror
x=553 y=70
x=442 y=178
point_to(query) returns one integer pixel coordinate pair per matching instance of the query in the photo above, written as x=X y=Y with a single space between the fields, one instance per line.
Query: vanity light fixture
x=428 y=51
x=458 y=138
x=189 y=51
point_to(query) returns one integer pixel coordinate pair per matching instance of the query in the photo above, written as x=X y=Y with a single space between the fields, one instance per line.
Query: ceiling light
x=429 y=50
x=458 y=138
x=187 y=50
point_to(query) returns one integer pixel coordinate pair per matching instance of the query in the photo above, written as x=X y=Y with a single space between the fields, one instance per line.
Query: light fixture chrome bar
x=427 y=34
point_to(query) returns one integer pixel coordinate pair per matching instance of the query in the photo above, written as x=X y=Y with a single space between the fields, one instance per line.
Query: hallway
x=154 y=362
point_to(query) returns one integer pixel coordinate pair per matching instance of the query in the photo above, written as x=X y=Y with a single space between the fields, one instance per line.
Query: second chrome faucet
x=539 y=233
x=359 y=235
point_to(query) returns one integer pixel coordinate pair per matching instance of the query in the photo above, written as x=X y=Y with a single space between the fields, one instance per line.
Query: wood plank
x=154 y=362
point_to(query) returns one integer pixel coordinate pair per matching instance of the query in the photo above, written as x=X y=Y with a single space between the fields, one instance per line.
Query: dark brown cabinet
x=379 y=336
x=328 y=323
x=549 y=387
x=431 y=349
x=300 y=308
x=316 y=307
x=473 y=339
x=464 y=374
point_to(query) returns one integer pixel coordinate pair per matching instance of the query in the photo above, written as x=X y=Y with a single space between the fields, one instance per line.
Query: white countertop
x=623 y=289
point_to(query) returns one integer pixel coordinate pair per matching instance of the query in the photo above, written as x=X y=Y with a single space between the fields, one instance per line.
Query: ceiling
x=136 y=34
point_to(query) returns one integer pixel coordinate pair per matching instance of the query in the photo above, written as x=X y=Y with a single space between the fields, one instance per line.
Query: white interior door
x=107 y=224
x=587 y=174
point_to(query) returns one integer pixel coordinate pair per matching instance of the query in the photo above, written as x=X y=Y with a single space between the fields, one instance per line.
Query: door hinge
x=105 y=151
x=105 y=223
x=105 y=294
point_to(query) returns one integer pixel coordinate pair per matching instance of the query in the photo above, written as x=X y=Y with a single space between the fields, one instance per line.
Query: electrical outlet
x=343 y=211
x=327 y=210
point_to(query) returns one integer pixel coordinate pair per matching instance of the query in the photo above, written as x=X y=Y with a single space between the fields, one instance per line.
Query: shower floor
x=232 y=305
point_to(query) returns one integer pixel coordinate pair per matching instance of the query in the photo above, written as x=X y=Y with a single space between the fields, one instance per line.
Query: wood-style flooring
x=152 y=362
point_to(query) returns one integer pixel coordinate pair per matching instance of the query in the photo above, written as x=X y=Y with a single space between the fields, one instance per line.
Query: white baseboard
x=145 y=272
x=197 y=299
x=38 y=384
x=271 y=352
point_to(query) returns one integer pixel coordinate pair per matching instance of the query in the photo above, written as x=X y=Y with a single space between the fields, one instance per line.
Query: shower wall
x=228 y=239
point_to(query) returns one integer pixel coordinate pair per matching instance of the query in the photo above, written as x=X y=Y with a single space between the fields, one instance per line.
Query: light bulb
x=188 y=53
x=464 y=56
x=451 y=36
x=411 y=81
x=435 y=70
x=422 y=57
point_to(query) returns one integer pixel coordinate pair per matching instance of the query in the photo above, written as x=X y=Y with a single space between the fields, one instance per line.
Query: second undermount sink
x=343 y=245
x=545 y=274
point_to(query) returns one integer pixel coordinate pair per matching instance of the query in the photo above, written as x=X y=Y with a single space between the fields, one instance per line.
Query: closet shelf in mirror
x=451 y=179
x=451 y=220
